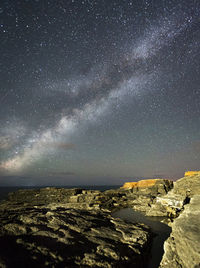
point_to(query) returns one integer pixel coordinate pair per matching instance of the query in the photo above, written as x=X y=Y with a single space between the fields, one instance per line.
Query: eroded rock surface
x=141 y=195
x=59 y=227
x=73 y=227
x=37 y=236
x=188 y=185
x=138 y=198
x=147 y=183
x=173 y=202
x=182 y=205
x=71 y=198
x=182 y=248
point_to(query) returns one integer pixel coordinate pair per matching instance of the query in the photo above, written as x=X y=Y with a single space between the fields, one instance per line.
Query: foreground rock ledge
x=182 y=248
x=73 y=227
x=36 y=236
x=59 y=227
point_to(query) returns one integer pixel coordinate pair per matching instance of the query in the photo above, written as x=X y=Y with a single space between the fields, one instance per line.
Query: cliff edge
x=145 y=183
x=182 y=248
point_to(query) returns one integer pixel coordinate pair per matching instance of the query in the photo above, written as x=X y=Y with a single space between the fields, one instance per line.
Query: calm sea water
x=5 y=190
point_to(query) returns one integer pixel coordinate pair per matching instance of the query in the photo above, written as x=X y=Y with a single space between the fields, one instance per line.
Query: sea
x=5 y=190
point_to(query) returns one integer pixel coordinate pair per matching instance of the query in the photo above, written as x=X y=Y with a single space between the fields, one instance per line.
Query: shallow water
x=161 y=230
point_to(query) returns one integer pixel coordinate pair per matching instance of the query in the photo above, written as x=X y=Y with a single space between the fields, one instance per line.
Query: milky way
x=91 y=89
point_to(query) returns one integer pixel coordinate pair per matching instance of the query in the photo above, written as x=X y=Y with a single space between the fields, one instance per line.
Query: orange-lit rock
x=192 y=173
x=142 y=183
x=129 y=185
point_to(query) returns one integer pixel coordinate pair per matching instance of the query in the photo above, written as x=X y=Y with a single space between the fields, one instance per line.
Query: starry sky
x=98 y=92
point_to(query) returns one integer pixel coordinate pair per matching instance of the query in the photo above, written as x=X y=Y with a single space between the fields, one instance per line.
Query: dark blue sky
x=98 y=92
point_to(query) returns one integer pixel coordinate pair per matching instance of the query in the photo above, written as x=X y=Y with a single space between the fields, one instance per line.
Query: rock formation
x=181 y=208
x=58 y=227
x=191 y=173
x=142 y=183
x=40 y=236
x=188 y=185
x=73 y=227
x=139 y=198
x=141 y=195
x=182 y=248
x=171 y=204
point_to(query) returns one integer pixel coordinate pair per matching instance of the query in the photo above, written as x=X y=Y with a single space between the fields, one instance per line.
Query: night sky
x=98 y=91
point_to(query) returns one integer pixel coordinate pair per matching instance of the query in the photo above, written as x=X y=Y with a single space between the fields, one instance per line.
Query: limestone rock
x=188 y=185
x=182 y=248
x=140 y=198
x=68 y=198
x=37 y=236
x=141 y=195
x=52 y=195
x=182 y=205
x=148 y=183
x=192 y=173
x=173 y=202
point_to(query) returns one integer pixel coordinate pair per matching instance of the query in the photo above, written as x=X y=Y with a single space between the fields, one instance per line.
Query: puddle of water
x=161 y=230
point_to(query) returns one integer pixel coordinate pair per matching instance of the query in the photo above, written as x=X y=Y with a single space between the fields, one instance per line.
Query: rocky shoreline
x=56 y=227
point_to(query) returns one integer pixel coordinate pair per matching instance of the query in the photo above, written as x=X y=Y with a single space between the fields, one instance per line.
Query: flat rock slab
x=37 y=236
